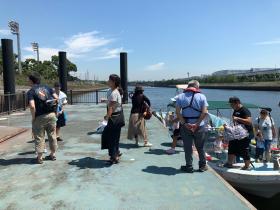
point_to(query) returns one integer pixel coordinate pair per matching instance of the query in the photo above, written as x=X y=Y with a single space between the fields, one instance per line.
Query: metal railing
x=18 y=101
x=12 y=102
x=84 y=97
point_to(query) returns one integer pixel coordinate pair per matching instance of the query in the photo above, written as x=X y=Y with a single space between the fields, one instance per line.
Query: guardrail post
x=96 y=96
x=24 y=100
x=71 y=97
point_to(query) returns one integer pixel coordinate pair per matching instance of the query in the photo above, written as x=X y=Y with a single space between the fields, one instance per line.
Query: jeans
x=198 y=138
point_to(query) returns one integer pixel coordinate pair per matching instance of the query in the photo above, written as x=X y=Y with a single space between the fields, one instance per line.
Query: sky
x=164 y=39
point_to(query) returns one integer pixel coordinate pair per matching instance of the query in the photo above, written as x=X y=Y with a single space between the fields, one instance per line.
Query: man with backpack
x=42 y=102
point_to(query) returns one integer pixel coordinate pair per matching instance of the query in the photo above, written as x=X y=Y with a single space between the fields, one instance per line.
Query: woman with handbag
x=115 y=118
x=137 y=126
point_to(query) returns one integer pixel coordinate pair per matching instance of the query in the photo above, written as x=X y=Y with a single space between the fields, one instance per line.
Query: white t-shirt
x=265 y=127
x=62 y=97
x=116 y=97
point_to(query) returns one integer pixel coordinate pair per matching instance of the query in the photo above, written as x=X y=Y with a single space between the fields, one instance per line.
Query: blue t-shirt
x=199 y=102
x=40 y=94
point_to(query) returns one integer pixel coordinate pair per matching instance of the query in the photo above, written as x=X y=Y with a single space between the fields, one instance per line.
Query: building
x=250 y=72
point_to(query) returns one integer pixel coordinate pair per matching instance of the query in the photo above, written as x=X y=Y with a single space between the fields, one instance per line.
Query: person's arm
x=32 y=109
x=245 y=121
x=147 y=100
x=110 y=109
x=179 y=115
x=203 y=114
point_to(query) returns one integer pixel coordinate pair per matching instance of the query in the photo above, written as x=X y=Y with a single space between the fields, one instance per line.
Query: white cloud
x=110 y=53
x=155 y=67
x=89 y=44
x=271 y=42
x=85 y=42
x=5 y=32
x=44 y=53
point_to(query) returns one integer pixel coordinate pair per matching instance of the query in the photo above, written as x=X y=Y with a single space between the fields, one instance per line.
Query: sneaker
x=180 y=143
x=187 y=169
x=45 y=151
x=203 y=168
x=147 y=144
x=170 y=151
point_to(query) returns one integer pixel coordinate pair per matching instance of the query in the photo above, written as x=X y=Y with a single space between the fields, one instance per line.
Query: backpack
x=45 y=100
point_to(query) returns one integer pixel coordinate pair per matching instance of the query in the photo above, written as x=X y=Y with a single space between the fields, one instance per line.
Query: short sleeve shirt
x=199 y=102
x=244 y=113
x=265 y=126
x=116 y=97
x=31 y=95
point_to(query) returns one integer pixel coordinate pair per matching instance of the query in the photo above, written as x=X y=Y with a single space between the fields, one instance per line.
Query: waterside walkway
x=80 y=179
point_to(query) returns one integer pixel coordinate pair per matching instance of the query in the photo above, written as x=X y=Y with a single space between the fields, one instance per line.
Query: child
x=218 y=146
x=176 y=133
x=259 y=148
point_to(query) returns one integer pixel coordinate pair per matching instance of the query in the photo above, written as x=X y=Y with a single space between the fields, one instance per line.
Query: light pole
x=35 y=47
x=14 y=26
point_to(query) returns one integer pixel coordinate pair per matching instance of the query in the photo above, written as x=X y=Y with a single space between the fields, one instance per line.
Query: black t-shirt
x=137 y=102
x=45 y=93
x=244 y=113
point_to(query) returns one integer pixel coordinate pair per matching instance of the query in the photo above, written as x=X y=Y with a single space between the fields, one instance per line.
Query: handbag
x=116 y=121
x=235 y=132
x=146 y=111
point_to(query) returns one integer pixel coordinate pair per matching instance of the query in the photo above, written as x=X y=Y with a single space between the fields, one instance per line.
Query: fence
x=12 y=102
x=84 y=97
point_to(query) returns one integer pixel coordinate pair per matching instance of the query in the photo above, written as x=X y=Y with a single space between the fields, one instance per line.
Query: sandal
x=50 y=157
x=245 y=168
x=39 y=161
x=227 y=165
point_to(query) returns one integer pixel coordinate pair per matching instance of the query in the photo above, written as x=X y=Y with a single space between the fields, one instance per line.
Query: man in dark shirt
x=41 y=99
x=241 y=115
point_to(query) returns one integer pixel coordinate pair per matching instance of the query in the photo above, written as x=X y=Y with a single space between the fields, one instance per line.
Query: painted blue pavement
x=80 y=179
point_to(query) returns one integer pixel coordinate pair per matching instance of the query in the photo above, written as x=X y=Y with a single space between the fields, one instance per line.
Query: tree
x=69 y=65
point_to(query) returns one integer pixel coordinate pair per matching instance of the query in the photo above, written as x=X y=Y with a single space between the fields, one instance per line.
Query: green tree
x=70 y=66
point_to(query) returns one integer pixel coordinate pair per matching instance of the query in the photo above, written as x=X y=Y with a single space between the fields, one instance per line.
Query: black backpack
x=45 y=100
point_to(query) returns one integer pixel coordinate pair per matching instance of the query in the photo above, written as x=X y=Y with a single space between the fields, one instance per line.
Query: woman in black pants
x=115 y=118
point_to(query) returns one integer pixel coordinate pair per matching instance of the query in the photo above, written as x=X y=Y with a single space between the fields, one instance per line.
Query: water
x=160 y=97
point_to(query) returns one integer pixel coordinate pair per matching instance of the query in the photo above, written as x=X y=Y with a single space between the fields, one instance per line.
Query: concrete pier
x=80 y=178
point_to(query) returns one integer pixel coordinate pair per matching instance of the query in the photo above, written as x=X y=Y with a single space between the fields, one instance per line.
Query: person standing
x=137 y=125
x=265 y=130
x=62 y=101
x=241 y=115
x=191 y=109
x=115 y=118
x=42 y=99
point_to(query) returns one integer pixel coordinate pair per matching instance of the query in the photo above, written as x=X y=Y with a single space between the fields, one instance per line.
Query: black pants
x=240 y=148
x=113 y=143
x=259 y=153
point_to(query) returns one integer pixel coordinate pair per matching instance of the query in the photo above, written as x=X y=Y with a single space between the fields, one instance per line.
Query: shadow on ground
x=166 y=144
x=128 y=146
x=27 y=153
x=89 y=162
x=169 y=171
x=17 y=161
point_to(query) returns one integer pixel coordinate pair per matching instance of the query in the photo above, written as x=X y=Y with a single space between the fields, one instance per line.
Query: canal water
x=160 y=97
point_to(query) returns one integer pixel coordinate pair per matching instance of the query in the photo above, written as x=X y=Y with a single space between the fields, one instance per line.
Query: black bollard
x=8 y=66
x=123 y=73
x=62 y=71
x=8 y=74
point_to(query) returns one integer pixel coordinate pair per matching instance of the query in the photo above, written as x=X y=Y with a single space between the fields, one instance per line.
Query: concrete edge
x=22 y=130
